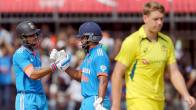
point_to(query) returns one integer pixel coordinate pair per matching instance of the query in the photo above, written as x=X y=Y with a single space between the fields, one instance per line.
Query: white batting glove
x=60 y=55
x=64 y=62
x=56 y=56
x=97 y=104
x=53 y=55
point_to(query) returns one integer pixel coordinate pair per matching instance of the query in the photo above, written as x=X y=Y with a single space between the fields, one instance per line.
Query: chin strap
x=85 y=46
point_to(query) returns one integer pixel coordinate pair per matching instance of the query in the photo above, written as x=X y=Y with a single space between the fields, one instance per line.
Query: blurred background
x=59 y=21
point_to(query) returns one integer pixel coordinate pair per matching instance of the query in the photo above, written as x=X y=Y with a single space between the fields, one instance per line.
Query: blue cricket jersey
x=96 y=62
x=21 y=59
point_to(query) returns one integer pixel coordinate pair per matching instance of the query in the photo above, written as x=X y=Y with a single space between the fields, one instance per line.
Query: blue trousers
x=31 y=101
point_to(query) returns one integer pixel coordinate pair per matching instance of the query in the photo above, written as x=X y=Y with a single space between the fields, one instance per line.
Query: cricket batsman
x=94 y=70
x=28 y=70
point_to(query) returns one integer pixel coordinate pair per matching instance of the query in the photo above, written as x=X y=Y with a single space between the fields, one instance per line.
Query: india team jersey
x=21 y=59
x=146 y=62
x=95 y=63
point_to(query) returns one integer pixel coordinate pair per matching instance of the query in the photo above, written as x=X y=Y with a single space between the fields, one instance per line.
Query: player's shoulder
x=99 y=51
x=133 y=36
x=132 y=39
x=165 y=37
x=20 y=51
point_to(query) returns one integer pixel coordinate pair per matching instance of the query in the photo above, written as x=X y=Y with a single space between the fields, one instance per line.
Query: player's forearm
x=117 y=79
x=179 y=83
x=116 y=90
x=39 y=73
x=103 y=82
x=75 y=74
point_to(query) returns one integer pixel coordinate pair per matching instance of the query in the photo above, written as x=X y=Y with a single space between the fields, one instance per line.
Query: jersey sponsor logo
x=84 y=78
x=146 y=62
x=103 y=67
x=99 y=52
x=86 y=70
x=158 y=61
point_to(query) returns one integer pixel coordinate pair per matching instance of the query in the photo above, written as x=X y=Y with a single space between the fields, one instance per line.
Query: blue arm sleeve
x=102 y=65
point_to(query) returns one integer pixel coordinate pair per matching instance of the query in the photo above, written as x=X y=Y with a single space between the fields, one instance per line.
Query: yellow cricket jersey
x=146 y=62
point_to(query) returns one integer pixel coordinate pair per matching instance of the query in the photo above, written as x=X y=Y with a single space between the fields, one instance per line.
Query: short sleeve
x=21 y=59
x=171 y=56
x=127 y=52
x=102 y=64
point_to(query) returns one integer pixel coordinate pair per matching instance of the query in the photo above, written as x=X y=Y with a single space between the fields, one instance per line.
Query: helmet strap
x=86 y=46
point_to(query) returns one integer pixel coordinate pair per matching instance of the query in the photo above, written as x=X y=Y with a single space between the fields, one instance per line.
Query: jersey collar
x=143 y=35
x=29 y=51
x=94 y=48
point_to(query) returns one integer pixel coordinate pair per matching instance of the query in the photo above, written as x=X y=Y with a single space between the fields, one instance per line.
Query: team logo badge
x=103 y=67
x=31 y=26
x=164 y=48
x=145 y=50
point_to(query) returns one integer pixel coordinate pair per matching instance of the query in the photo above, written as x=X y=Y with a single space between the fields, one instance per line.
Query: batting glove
x=53 y=55
x=56 y=56
x=97 y=104
x=60 y=55
x=64 y=63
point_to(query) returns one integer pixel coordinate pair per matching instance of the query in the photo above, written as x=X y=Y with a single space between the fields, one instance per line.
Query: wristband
x=53 y=67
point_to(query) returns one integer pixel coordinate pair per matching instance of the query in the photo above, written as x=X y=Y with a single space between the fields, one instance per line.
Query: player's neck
x=92 y=46
x=152 y=36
